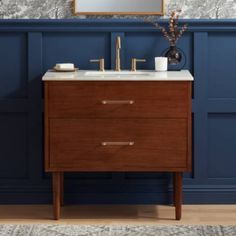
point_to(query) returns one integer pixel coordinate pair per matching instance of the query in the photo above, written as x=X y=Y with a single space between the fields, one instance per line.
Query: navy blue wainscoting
x=28 y=48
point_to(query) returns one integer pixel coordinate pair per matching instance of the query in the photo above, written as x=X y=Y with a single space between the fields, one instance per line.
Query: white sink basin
x=116 y=73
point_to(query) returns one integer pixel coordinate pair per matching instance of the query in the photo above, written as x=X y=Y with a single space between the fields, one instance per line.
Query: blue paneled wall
x=29 y=48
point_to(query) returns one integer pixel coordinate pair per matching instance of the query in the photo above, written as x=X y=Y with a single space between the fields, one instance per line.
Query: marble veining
x=59 y=9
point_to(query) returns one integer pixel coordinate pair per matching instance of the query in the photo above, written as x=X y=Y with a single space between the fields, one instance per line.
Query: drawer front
x=118 y=99
x=117 y=145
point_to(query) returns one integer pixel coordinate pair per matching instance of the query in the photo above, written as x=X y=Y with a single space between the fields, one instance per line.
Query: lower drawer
x=117 y=144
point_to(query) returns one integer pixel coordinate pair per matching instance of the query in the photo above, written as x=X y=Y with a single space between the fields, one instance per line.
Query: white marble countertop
x=83 y=75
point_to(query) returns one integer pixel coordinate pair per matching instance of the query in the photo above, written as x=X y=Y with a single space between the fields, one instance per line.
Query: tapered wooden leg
x=178 y=182
x=56 y=176
x=62 y=188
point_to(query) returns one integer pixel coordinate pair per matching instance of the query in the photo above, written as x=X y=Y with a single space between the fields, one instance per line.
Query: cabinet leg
x=178 y=182
x=62 y=188
x=56 y=176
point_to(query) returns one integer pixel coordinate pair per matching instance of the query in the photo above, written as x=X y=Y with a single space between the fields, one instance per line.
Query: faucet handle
x=134 y=63
x=101 y=63
x=118 y=42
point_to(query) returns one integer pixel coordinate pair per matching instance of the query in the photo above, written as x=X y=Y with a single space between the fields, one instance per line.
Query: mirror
x=118 y=7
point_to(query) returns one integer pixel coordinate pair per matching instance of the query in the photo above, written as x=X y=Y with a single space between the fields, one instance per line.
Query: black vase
x=174 y=55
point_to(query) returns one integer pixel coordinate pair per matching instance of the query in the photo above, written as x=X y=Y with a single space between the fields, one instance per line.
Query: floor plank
x=119 y=214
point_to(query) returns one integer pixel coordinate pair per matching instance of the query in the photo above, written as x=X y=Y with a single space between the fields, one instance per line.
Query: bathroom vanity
x=118 y=122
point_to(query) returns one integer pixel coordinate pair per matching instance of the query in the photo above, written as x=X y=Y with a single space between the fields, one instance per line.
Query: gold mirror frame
x=118 y=13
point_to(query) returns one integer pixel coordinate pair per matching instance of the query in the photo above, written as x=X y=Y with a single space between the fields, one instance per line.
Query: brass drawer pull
x=117 y=143
x=105 y=102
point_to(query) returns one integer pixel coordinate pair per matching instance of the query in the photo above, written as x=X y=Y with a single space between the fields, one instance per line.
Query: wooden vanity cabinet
x=130 y=126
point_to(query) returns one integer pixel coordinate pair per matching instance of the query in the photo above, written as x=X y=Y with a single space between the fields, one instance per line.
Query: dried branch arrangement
x=173 y=33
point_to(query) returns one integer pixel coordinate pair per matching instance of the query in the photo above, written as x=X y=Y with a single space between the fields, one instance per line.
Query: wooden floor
x=119 y=214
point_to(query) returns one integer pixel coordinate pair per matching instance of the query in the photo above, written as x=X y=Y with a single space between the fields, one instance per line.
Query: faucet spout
x=118 y=47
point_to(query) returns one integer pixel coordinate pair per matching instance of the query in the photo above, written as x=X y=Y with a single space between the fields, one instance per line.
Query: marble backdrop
x=58 y=9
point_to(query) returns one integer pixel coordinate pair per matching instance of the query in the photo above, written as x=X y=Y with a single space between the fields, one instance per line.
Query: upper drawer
x=118 y=99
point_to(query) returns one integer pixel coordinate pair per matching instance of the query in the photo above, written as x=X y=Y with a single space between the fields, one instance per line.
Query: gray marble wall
x=58 y=9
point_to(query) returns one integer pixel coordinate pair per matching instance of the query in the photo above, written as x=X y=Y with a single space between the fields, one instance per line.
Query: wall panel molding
x=200 y=98
x=46 y=42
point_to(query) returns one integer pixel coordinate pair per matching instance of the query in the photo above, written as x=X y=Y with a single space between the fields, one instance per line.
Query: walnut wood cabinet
x=130 y=126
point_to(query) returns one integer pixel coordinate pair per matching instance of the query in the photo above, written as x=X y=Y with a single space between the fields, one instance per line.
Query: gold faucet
x=118 y=47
